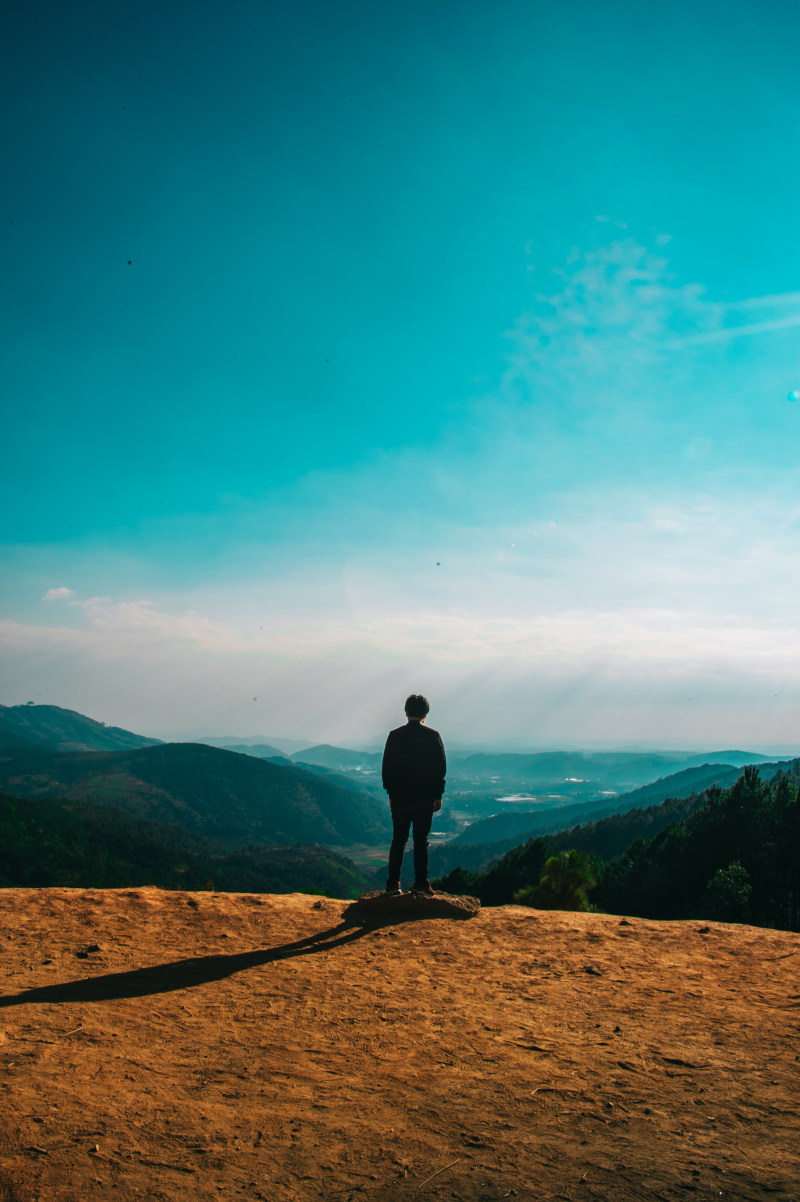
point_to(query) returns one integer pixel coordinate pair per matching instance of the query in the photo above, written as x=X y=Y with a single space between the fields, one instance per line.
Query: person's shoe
x=393 y=889
x=424 y=890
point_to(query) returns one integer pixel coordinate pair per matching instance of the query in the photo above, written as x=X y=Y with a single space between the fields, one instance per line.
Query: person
x=414 y=767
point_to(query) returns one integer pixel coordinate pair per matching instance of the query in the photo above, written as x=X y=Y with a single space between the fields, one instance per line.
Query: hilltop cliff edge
x=168 y=1045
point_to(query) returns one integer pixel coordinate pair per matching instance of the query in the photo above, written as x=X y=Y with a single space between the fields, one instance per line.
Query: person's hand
x=437 y=805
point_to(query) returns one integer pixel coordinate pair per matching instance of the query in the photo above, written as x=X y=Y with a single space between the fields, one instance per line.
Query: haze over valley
x=197 y=801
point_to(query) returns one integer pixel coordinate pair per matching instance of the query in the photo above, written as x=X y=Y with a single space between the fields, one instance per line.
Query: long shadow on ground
x=200 y=970
x=182 y=974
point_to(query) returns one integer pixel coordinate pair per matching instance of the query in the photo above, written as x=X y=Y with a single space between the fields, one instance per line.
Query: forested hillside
x=732 y=854
x=51 y=728
x=736 y=858
x=690 y=782
x=219 y=794
x=54 y=842
x=612 y=836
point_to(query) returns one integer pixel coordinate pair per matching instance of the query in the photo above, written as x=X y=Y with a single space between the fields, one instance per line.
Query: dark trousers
x=406 y=814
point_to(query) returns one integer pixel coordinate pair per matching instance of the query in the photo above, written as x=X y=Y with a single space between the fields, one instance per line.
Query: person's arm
x=441 y=771
x=387 y=766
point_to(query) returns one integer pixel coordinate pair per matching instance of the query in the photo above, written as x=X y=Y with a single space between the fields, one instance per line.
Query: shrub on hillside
x=727 y=895
x=562 y=886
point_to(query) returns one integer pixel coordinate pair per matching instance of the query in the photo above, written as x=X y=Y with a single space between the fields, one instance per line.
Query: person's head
x=417 y=707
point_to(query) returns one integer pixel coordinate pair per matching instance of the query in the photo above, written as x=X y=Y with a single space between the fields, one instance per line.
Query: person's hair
x=416 y=706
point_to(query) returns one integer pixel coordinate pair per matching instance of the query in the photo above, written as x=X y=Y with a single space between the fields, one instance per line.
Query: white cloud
x=573 y=678
x=600 y=338
x=742 y=331
x=772 y=301
x=667 y=588
x=58 y=594
x=618 y=312
x=539 y=568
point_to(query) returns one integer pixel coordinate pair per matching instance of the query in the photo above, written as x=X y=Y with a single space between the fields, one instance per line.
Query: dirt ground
x=222 y=1046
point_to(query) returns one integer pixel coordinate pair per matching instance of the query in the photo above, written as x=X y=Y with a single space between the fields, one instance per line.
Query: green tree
x=728 y=894
x=497 y=886
x=562 y=886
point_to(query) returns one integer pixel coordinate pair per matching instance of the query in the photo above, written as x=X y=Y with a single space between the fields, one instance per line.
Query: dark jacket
x=414 y=763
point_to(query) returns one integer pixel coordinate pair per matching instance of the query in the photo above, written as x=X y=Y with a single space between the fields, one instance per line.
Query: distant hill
x=687 y=783
x=520 y=824
x=549 y=767
x=338 y=758
x=729 y=854
x=523 y=824
x=54 y=842
x=219 y=794
x=262 y=751
x=610 y=837
x=283 y=746
x=620 y=770
x=496 y=883
x=738 y=758
x=51 y=728
x=604 y=832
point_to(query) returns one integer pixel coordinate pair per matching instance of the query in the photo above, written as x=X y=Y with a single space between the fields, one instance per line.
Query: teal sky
x=357 y=349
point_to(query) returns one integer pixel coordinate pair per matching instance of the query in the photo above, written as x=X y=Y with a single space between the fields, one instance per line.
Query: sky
x=364 y=349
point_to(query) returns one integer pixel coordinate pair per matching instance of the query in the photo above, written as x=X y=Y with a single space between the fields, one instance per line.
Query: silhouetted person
x=414 y=767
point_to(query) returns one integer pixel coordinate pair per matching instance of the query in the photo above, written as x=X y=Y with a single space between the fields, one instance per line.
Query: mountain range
x=666 y=800
x=211 y=792
x=51 y=728
x=110 y=786
x=99 y=805
x=612 y=770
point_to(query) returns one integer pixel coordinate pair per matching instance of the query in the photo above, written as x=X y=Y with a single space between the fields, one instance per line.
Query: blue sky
x=358 y=349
